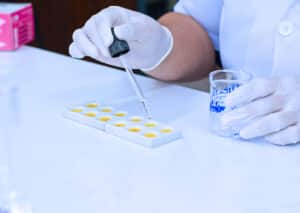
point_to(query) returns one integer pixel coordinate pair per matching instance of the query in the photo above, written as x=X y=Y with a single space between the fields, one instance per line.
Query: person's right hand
x=150 y=43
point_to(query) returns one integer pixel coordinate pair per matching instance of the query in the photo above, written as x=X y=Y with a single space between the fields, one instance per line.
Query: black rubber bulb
x=118 y=47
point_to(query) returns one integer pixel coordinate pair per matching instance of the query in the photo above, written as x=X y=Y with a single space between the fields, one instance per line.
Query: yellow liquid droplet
x=92 y=105
x=166 y=131
x=91 y=114
x=150 y=125
x=120 y=124
x=121 y=114
x=105 y=119
x=77 y=110
x=136 y=120
x=150 y=135
x=134 y=129
x=106 y=110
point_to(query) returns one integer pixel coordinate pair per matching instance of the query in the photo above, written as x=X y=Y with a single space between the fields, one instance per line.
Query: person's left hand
x=273 y=109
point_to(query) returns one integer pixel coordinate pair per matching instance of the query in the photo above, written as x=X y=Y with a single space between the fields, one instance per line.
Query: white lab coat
x=259 y=36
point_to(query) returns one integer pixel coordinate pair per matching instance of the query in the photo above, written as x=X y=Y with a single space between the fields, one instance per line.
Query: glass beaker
x=222 y=83
x=10 y=200
x=5 y=141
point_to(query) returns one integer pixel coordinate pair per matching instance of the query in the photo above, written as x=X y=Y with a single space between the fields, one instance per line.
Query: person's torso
x=261 y=36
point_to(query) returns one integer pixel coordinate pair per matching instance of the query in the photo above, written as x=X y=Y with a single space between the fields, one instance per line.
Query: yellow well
x=92 y=105
x=150 y=135
x=105 y=118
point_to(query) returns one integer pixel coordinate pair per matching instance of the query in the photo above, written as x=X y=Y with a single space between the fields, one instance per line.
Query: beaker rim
x=246 y=76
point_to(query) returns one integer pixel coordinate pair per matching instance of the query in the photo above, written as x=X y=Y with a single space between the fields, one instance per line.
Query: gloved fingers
x=294 y=102
x=257 y=88
x=126 y=32
x=75 y=52
x=131 y=32
x=291 y=135
x=269 y=124
x=109 y=61
x=90 y=28
x=108 y=18
x=84 y=44
x=253 y=110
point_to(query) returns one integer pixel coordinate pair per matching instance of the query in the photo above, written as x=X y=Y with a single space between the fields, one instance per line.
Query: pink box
x=16 y=25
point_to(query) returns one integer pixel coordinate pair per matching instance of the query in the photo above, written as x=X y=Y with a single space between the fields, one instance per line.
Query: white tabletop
x=65 y=167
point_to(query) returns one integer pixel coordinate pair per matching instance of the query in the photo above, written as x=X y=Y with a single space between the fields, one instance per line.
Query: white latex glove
x=273 y=110
x=150 y=42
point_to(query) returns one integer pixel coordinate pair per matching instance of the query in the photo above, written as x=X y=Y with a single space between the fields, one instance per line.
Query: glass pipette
x=118 y=49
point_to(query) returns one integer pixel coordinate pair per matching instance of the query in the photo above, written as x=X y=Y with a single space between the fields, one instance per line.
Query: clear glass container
x=11 y=201
x=222 y=83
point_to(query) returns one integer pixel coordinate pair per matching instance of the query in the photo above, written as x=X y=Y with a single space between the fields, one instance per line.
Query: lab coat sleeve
x=206 y=12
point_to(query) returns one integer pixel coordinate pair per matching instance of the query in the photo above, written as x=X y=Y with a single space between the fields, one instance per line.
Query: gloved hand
x=273 y=110
x=150 y=42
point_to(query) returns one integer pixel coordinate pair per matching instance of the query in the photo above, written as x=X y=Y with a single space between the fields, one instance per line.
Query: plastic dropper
x=117 y=50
